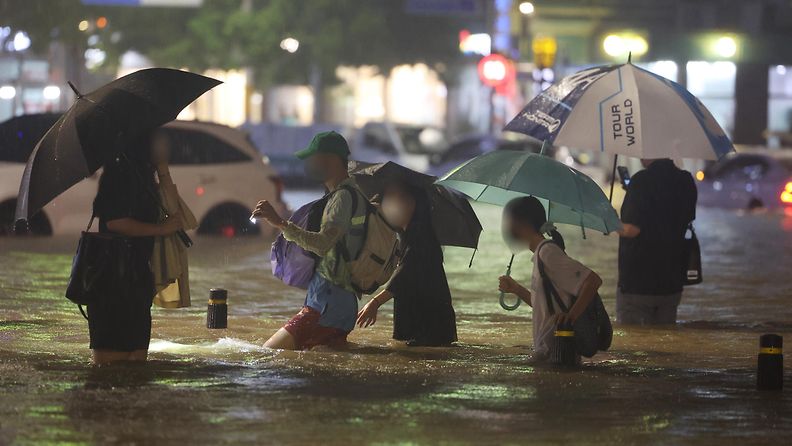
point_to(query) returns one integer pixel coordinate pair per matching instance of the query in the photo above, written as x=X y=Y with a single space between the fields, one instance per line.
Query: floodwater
x=692 y=384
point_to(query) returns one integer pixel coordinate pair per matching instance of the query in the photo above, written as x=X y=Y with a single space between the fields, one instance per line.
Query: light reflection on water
x=682 y=385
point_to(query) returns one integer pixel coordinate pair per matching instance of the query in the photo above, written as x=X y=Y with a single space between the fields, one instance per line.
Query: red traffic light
x=495 y=70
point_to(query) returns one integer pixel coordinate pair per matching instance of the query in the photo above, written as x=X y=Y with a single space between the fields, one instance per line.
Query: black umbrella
x=90 y=132
x=453 y=219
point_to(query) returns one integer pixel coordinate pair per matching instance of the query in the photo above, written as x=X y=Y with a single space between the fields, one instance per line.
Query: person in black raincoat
x=422 y=311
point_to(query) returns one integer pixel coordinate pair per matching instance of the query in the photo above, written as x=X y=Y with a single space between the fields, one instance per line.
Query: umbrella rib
x=482 y=192
x=599 y=106
x=580 y=199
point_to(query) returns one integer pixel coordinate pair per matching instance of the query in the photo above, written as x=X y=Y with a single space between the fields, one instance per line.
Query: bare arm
x=367 y=315
x=509 y=285
x=382 y=297
x=629 y=230
x=524 y=294
x=588 y=290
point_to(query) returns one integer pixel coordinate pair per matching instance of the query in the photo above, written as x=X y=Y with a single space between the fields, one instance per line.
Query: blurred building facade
x=733 y=55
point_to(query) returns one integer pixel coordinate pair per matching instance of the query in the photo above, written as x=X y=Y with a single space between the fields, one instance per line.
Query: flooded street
x=693 y=384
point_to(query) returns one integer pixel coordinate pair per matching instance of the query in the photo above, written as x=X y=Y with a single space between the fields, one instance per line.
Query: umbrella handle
x=506 y=306
x=502 y=298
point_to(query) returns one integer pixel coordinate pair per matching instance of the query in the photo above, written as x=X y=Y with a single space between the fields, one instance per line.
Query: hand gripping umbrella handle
x=502 y=299
x=506 y=306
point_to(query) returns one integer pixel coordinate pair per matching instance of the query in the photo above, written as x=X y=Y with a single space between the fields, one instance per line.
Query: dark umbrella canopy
x=92 y=130
x=453 y=219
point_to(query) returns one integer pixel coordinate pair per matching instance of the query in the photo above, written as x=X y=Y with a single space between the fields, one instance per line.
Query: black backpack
x=593 y=329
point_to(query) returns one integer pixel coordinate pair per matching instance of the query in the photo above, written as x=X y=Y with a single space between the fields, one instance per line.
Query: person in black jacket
x=127 y=204
x=659 y=205
x=422 y=311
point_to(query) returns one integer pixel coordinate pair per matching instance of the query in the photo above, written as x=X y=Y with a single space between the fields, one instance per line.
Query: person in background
x=659 y=204
x=126 y=204
x=422 y=310
x=330 y=308
x=524 y=226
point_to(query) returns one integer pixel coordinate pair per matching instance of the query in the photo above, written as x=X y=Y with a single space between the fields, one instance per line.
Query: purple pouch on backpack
x=290 y=263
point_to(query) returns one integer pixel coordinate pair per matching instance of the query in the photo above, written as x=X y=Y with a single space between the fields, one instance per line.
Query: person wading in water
x=330 y=308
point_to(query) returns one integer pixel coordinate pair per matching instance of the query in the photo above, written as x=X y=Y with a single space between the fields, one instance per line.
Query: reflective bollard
x=217 y=313
x=770 y=366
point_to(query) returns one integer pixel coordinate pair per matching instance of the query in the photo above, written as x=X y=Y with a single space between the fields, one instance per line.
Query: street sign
x=167 y=3
x=544 y=49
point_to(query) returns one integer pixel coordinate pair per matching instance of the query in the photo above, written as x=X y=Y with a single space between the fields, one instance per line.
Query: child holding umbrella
x=524 y=227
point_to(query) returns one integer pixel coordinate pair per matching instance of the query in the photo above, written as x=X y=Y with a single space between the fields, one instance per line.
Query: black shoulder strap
x=550 y=290
x=354 y=193
x=90 y=222
x=341 y=244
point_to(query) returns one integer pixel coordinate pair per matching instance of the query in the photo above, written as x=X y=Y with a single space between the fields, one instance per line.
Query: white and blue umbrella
x=623 y=110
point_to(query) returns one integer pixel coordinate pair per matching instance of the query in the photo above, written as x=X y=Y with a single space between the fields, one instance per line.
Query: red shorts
x=307 y=332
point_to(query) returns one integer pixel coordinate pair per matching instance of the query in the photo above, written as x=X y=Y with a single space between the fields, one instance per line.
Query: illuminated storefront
x=714 y=84
x=410 y=94
x=779 y=105
x=25 y=87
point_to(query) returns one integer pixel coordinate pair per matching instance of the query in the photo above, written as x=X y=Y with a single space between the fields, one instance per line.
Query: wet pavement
x=691 y=384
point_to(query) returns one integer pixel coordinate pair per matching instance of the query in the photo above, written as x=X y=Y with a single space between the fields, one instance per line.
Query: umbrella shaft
x=184 y=238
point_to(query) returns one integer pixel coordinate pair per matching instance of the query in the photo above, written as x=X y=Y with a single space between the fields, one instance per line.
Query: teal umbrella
x=568 y=195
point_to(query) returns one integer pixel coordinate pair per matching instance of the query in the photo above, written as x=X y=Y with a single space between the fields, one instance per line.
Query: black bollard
x=564 y=351
x=770 y=367
x=217 y=313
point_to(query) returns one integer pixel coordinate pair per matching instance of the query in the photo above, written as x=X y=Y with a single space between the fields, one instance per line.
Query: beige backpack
x=371 y=248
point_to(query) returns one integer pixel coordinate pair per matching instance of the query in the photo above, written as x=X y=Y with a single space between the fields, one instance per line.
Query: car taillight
x=786 y=194
x=278 y=183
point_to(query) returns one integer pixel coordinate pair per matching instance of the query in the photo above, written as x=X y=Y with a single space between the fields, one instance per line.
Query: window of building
x=779 y=104
x=713 y=84
x=666 y=68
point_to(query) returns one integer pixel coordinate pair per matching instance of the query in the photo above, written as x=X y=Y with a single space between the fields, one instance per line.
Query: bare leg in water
x=282 y=339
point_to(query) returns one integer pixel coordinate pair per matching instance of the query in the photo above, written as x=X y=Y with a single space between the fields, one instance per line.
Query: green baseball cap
x=326 y=142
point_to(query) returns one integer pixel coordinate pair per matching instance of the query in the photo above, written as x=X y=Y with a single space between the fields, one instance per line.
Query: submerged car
x=748 y=179
x=219 y=173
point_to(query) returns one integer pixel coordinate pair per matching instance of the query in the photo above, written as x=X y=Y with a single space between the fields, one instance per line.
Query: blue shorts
x=338 y=307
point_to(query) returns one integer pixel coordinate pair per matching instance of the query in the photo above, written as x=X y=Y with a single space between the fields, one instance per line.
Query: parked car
x=219 y=173
x=471 y=146
x=412 y=146
x=278 y=142
x=748 y=179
